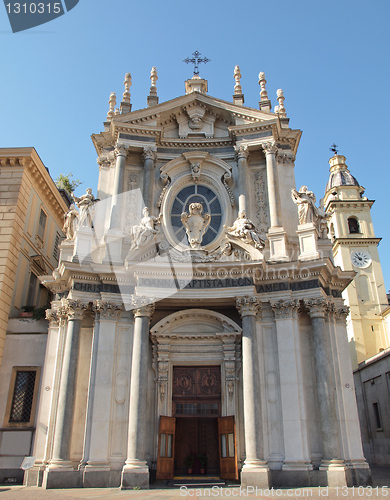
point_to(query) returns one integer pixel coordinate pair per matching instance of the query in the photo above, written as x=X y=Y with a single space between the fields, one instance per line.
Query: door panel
x=227 y=448
x=166 y=448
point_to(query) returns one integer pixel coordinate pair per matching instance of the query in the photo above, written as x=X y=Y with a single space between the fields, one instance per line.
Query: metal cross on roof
x=196 y=60
x=334 y=148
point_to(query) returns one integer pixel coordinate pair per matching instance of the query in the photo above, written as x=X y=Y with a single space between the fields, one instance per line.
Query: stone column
x=255 y=471
x=60 y=472
x=242 y=155
x=270 y=150
x=331 y=464
x=119 y=178
x=149 y=156
x=97 y=469
x=135 y=471
x=276 y=233
x=296 y=449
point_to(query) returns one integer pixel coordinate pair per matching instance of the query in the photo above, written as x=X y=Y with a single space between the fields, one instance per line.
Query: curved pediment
x=195 y=323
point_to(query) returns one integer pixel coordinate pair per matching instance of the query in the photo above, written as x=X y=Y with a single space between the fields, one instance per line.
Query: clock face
x=361 y=259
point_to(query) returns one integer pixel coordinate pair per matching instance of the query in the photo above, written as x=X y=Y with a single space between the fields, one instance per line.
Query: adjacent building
x=31 y=221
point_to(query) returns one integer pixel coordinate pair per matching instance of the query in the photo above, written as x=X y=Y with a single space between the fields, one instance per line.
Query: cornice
x=355 y=241
x=29 y=160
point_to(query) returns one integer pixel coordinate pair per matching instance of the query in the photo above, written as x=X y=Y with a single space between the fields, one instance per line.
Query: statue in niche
x=85 y=204
x=305 y=199
x=195 y=224
x=244 y=229
x=70 y=220
x=145 y=231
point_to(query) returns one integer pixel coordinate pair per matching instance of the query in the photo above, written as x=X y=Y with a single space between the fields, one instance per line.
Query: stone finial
x=280 y=109
x=265 y=103
x=262 y=83
x=237 y=77
x=238 y=97
x=112 y=103
x=125 y=104
x=153 y=78
x=152 y=97
x=117 y=111
x=126 y=93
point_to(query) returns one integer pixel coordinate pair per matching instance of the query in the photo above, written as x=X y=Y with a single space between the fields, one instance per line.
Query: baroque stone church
x=198 y=317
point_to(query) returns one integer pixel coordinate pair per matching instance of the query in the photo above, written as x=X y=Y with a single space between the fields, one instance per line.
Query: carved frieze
x=261 y=202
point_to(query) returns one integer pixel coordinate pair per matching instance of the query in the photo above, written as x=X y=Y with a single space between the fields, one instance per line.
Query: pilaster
x=96 y=454
x=296 y=449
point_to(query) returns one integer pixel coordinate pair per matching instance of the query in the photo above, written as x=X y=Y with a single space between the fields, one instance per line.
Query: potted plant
x=202 y=457
x=27 y=312
x=189 y=463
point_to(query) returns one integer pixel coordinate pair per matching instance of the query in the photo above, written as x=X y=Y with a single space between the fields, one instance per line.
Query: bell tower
x=355 y=248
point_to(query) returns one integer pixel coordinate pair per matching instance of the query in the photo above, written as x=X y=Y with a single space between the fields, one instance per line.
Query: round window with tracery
x=196 y=193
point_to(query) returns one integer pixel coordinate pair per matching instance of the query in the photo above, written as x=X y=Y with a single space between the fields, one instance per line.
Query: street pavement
x=381 y=479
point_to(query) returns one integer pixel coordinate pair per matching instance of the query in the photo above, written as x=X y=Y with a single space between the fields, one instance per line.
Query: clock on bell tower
x=355 y=248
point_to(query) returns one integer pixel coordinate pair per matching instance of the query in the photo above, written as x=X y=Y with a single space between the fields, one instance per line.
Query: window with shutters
x=42 y=224
x=56 y=244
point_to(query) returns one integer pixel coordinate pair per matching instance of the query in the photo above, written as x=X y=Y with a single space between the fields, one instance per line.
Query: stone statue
x=195 y=224
x=305 y=199
x=85 y=204
x=145 y=231
x=70 y=219
x=246 y=231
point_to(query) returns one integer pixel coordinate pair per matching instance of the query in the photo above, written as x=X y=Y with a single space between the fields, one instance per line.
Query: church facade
x=198 y=320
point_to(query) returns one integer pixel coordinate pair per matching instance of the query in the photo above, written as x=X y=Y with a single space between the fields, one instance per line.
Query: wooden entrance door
x=227 y=448
x=166 y=448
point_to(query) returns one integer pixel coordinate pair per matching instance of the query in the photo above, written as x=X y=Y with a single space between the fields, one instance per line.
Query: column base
x=336 y=472
x=61 y=478
x=96 y=476
x=256 y=474
x=135 y=473
x=360 y=473
x=277 y=244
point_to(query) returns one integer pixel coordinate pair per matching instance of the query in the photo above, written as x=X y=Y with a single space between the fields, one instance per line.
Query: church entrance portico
x=197 y=354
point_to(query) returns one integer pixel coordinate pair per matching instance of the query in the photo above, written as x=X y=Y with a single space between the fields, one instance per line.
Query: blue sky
x=330 y=58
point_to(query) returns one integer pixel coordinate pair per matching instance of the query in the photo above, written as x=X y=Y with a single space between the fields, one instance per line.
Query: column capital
x=142 y=306
x=149 y=153
x=285 y=309
x=285 y=157
x=242 y=151
x=106 y=310
x=269 y=147
x=341 y=314
x=104 y=161
x=53 y=316
x=317 y=307
x=121 y=150
x=73 y=309
x=248 y=305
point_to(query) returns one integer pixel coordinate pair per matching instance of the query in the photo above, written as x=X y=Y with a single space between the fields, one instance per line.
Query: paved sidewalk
x=381 y=479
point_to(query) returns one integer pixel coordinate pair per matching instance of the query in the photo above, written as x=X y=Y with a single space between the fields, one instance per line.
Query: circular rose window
x=196 y=193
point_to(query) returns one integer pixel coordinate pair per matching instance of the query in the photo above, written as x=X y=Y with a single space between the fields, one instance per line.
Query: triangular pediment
x=195 y=115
